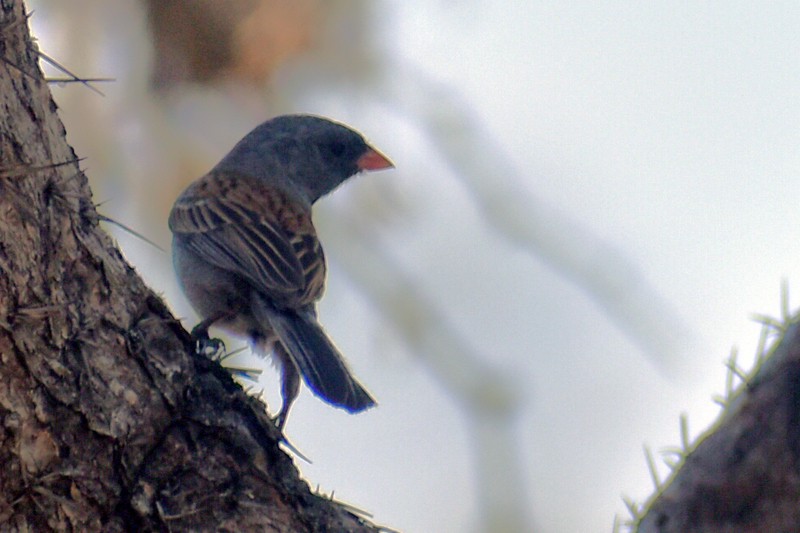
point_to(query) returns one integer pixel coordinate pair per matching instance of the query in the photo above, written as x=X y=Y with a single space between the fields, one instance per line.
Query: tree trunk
x=108 y=420
x=743 y=475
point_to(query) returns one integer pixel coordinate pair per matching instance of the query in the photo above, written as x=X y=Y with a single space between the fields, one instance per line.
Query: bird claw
x=279 y=420
x=208 y=347
x=211 y=348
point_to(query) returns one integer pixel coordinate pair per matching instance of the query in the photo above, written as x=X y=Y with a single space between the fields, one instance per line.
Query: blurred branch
x=206 y=40
x=499 y=190
x=489 y=398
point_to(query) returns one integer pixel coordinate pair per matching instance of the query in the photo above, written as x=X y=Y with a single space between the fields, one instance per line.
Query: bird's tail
x=318 y=360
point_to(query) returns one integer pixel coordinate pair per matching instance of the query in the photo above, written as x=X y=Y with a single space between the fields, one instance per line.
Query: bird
x=248 y=258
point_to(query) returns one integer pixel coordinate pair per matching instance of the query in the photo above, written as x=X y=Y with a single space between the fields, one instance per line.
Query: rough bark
x=108 y=420
x=744 y=475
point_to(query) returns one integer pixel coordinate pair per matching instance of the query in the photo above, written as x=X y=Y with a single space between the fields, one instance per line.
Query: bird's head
x=306 y=154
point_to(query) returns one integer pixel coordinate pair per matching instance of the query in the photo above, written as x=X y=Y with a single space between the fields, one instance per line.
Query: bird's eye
x=337 y=148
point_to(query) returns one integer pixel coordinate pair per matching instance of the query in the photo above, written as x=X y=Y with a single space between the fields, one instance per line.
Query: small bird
x=248 y=258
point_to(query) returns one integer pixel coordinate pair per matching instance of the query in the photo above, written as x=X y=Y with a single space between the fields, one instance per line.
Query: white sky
x=671 y=129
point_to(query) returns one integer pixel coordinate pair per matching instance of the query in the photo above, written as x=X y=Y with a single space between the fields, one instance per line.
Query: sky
x=670 y=130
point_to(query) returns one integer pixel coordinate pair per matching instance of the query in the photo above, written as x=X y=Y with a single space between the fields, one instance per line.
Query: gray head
x=304 y=154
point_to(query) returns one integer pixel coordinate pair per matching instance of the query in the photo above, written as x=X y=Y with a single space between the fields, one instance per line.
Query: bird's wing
x=255 y=231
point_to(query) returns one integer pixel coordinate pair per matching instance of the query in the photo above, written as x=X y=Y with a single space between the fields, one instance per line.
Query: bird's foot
x=206 y=346
x=279 y=420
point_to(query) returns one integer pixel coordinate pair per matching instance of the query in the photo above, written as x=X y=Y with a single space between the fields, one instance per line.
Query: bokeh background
x=591 y=200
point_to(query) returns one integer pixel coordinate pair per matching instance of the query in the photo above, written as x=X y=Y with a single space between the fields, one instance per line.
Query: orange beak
x=373 y=160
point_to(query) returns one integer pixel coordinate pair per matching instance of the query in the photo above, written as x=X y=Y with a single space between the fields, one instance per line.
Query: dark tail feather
x=319 y=361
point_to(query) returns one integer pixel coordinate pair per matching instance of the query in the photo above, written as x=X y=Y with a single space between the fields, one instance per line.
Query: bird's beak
x=373 y=160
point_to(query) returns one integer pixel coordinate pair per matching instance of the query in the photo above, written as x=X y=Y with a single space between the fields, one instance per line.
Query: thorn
x=129 y=230
x=774 y=323
x=720 y=400
x=615 y=527
x=352 y=508
x=729 y=376
x=672 y=462
x=250 y=374
x=685 y=439
x=786 y=313
x=737 y=371
x=633 y=507
x=651 y=466
x=761 y=348
x=232 y=353
x=289 y=446
x=19 y=170
x=78 y=80
x=66 y=71
x=672 y=451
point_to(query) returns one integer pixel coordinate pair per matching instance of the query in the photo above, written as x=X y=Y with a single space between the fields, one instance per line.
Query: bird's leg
x=204 y=345
x=290 y=385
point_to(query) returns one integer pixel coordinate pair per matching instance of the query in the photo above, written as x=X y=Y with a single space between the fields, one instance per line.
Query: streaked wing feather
x=236 y=239
x=312 y=261
x=283 y=258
